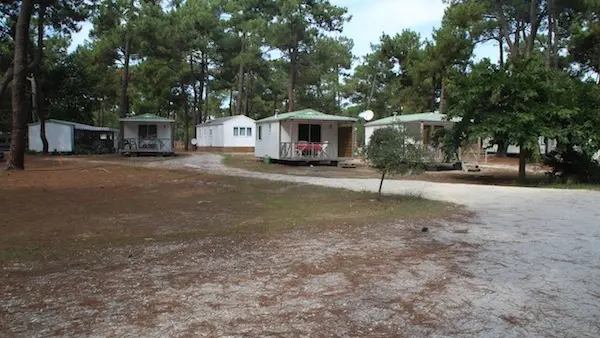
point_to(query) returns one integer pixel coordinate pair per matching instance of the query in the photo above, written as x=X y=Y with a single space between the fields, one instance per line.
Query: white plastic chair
x=297 y=151
x=323 y=151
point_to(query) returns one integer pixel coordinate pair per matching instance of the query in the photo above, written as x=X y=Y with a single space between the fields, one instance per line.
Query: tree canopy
x=191 y=59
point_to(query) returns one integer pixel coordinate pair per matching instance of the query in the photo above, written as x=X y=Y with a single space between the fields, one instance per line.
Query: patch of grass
x=227 y=159
x=53 y=210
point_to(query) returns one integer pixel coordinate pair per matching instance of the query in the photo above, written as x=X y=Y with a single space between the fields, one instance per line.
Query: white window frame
x=236 y=131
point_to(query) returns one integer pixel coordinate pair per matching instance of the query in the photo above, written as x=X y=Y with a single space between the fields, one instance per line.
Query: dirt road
x=538 y=273
x=528 y=266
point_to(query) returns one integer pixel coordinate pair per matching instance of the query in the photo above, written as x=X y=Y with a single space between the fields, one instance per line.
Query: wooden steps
x=347 y=164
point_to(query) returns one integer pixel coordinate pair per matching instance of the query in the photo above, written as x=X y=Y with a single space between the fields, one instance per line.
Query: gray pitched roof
x=78 y=126
x=218 y=121
x=221 y=120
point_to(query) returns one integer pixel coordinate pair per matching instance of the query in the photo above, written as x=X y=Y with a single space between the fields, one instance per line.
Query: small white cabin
x=147 y=133
x=230 y=134
x=70 y=137
x=305 y=135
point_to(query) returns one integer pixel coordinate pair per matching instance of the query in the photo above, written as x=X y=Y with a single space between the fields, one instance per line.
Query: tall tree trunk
x=292 y=84
x=550 y=43
x=372 y=92
x=231 y=101
x=102 y=112
x=336 y=93
x=443 y=98
x=37 y=99
x=124 y=99
x=240 y=78
x=247 y=94
x=16 y=157
x=195 y=91
x=33 y=66
x=207 y=92
x=200 y=103
x=522 y=163
x=37 y=85
x=512 y=47
x=533 y=20
x=186 y=120
x=517 y=41
x=240 y=91
x=500 y=46
x=502 y=148
x=556 y=40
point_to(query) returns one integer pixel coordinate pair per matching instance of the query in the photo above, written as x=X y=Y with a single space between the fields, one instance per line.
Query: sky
x=371 y=18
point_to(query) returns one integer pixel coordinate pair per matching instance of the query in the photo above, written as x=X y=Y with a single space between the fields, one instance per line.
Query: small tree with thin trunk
x=394 y=151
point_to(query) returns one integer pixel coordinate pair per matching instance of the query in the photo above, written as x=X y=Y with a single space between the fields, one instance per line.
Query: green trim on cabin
x=307 y=114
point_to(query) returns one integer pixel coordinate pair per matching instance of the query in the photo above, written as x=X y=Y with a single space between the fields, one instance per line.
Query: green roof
x=422 y=117
x=147 y=117
x=307 y=114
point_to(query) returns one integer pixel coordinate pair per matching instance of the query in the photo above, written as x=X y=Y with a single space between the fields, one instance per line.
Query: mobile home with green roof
x=305 y=136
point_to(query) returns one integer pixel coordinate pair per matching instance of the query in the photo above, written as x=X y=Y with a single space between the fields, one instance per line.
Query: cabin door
x=345 y=141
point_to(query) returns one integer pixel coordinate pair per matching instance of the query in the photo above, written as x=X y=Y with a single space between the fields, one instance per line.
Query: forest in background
x=197 y=58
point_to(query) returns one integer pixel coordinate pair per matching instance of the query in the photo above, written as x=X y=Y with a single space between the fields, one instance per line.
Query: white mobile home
x=69 y=137
x=422 y=126
x=147 y=133
x=230 y=134
x=426 y=124
x=305 y=135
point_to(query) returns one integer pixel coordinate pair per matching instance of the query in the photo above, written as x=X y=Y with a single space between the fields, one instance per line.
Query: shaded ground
x=99 y=249
x=497 y=171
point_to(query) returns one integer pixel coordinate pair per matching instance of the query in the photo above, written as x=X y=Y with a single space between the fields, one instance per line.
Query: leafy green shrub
x=572 y=165
x=393 y=151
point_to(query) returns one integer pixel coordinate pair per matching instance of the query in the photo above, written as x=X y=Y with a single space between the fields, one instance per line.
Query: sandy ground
x=529 y=266
x=538 y=273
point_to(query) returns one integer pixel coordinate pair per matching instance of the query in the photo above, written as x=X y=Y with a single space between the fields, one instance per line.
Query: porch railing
x=435 y=154
x=147 y=145
x=307 y=150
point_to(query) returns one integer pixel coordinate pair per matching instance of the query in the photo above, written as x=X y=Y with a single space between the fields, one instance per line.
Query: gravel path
x=539 y=271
